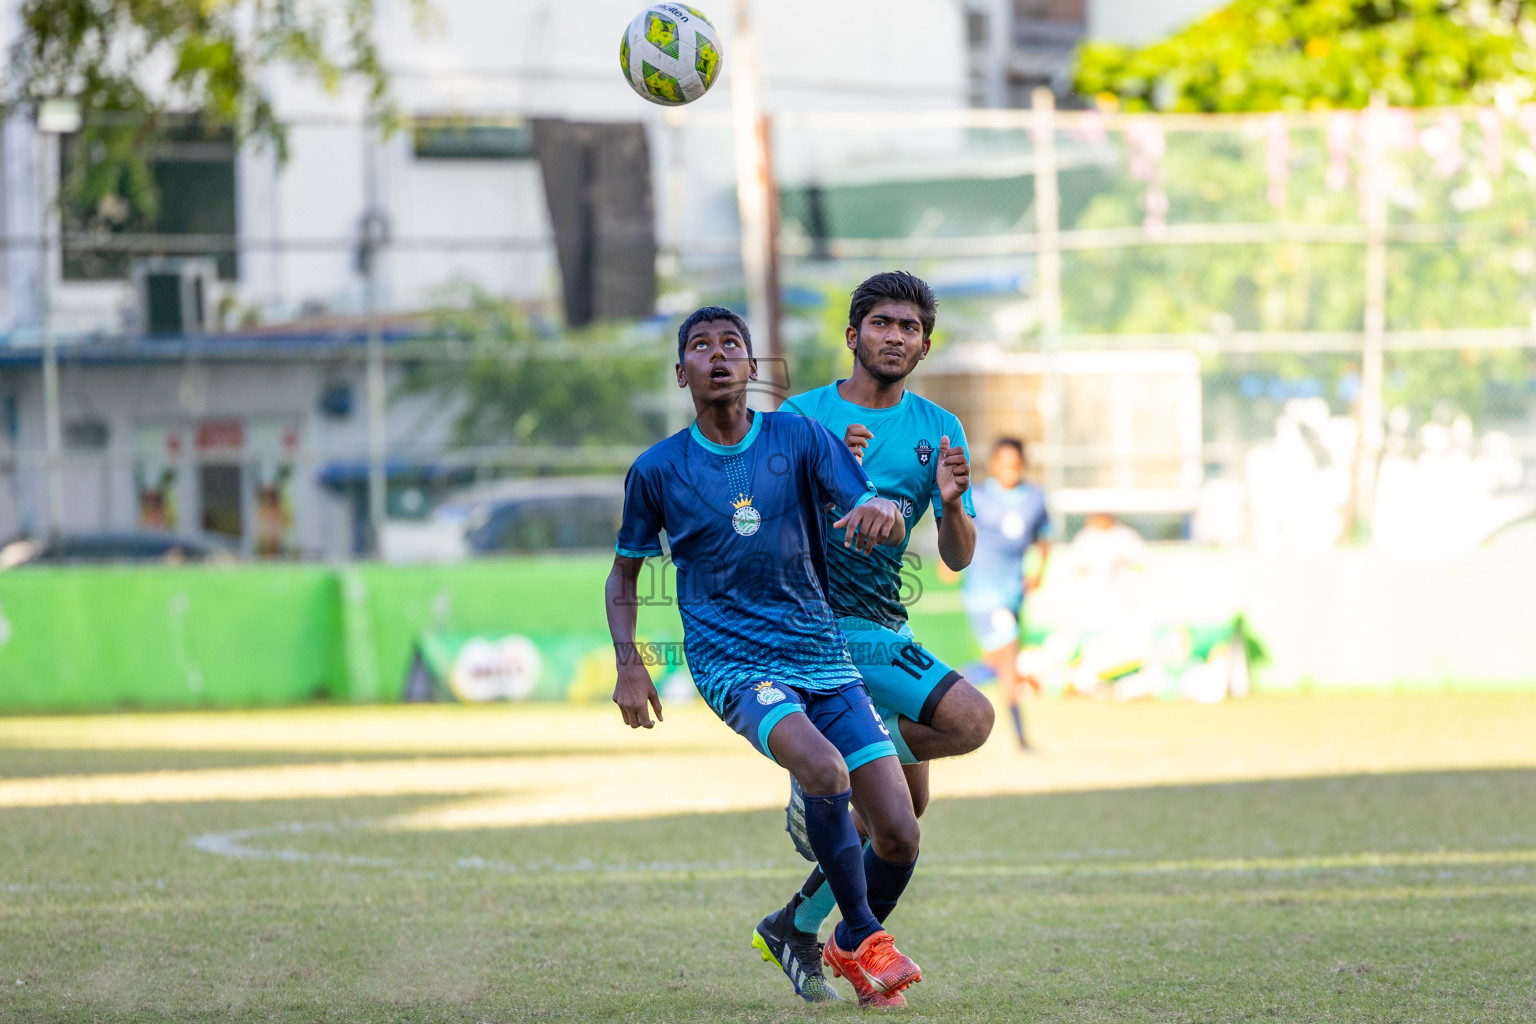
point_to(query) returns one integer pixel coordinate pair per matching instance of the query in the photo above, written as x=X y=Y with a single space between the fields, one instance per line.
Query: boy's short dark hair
x=894 y=286
x=704 y=315
x=1009 y=442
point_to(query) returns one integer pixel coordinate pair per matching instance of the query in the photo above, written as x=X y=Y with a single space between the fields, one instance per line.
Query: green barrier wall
x=387 y=607
x=164 y=637
x=84 y=638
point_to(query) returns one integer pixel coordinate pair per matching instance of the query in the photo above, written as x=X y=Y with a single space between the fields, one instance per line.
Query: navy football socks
x=835 y=842
x=886 y=882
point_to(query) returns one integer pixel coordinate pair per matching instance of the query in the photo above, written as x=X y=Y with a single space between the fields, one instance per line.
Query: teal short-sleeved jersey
x=902 y=461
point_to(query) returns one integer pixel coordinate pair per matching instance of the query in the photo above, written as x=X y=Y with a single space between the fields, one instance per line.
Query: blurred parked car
x=513 y=517
x=138 y=546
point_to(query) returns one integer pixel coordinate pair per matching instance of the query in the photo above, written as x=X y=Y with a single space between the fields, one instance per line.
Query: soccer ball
x=670 y=54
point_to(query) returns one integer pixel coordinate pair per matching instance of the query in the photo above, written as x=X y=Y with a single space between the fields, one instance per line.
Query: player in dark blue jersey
x=915 y=453
x=741 y=495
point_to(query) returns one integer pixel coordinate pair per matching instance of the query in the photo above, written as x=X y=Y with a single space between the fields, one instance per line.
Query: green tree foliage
x=517 y=384
x=130 y=62
x=1267 y=55
x=1309 y=54
x=814 y=340
x=1216 y=178
x=1220 y=177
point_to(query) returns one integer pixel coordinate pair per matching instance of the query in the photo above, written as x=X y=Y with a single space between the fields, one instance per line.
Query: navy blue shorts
x=845 y=716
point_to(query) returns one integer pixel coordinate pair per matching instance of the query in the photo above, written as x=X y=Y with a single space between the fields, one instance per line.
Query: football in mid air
x=670 y=54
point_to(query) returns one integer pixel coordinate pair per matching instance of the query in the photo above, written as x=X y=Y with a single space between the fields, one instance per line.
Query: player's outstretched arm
x=957 y=533
x=877 y=521
x=634 y=692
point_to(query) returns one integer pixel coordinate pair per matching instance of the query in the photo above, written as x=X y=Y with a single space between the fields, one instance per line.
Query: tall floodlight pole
x=54 y=118
x=754 y=202
x=373 y=234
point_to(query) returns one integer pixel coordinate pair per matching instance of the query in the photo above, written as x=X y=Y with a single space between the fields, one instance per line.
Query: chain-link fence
x=1291 y=330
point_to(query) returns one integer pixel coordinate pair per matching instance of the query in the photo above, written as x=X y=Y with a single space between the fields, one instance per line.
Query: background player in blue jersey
x=914 y=452
x=741 y=496
x=1010 y=517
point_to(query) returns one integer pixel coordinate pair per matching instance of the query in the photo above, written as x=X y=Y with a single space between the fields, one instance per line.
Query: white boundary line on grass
x=233 y=844
x=237 y=844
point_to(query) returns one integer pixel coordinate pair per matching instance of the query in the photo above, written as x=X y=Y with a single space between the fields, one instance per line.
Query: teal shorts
x=900 y=674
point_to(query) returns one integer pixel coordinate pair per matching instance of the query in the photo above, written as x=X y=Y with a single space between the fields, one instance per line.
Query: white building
x=283 y=238
x=482 y=218
x=258 y=440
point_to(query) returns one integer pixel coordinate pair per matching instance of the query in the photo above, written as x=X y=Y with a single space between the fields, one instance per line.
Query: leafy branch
x=1258 y=55
x=130 y=63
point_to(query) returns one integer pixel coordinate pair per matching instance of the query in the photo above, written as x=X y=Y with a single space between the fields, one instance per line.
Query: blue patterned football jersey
x=747 y=531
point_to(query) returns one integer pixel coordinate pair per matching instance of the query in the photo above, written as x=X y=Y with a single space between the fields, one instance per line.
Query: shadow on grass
x=123 y=918
x=1376 y=822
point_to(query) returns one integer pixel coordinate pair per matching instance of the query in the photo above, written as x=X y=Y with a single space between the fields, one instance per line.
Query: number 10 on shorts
x=913 y=661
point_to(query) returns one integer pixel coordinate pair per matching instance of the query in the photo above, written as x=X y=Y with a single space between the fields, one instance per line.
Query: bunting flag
x=1145 y=148
x=1441 y=142
x=1492 y=127
x=1277 y=158
x=1526 y=119
x=1381 y=130
x=1341 y=135
x=1090 y=129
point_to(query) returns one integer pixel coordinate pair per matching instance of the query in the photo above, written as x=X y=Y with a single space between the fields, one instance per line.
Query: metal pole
x=1373 y=340
x=377 y=479
x=1048 y=282
x=53 y=432
x=372 y=241
x=754 y=204
x=772 y=342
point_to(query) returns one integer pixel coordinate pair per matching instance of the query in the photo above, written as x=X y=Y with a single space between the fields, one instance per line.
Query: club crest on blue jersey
x=768 y=694
x=746 y=519
x=924 y=452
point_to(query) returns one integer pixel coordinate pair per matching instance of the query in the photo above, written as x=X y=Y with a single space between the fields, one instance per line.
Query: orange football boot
x=876 y=1001
x=877 y=970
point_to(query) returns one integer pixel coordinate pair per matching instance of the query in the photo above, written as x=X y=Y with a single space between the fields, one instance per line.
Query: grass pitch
x=1285 y=859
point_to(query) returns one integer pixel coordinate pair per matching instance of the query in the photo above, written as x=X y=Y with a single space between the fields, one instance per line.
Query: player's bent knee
x=981 y=719
x=898 y=841
x=967 y=716
x=823 y=776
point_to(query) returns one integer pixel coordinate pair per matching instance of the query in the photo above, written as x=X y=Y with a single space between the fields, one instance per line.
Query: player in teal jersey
x=915 y=454
x=741 y=496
